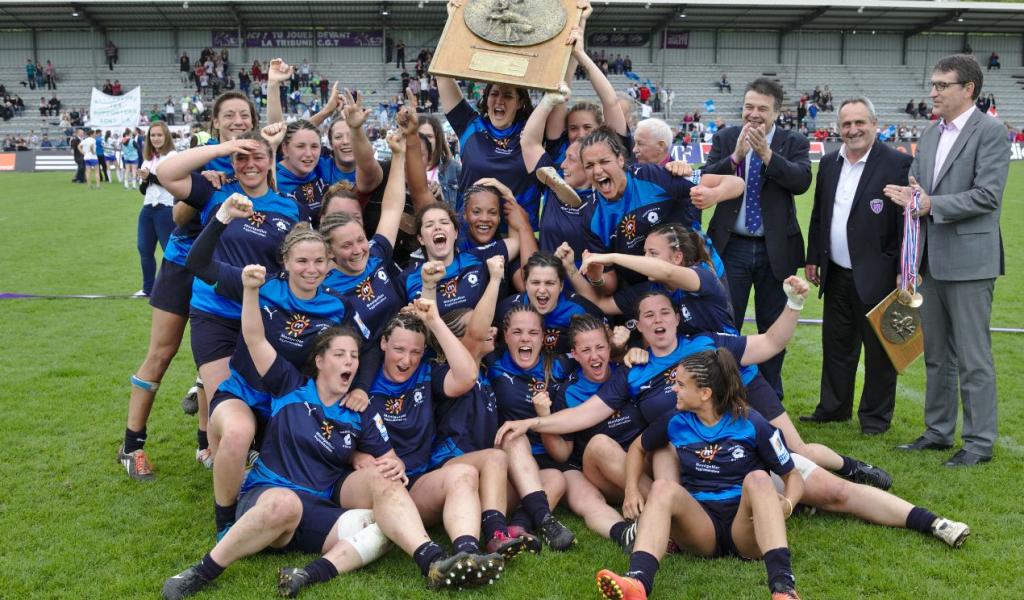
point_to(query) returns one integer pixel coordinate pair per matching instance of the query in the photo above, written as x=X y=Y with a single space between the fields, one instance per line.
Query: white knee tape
x=353 y=521
x=804 y=466
x=370 y=543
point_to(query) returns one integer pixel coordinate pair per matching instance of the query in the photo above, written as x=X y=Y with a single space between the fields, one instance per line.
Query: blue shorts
x=110 y=159
x=722 y=515
x=172 y=290
x=92 y=162
x=762 y=398
x=235 y=386
x=318 y=518
x=213 y=337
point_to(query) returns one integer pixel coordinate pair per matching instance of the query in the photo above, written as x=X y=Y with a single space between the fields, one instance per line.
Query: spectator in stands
x=185 y=68
x=983 y=103
x=8 y=144
x=825 y=101
x=33 y=139
x=617 y=65
x=40 y=76
x=54 y=105
x=724 y=83
x=993 y=61
x=169 y=111
x=116 y=88
x=111 y=51
x=915 y=133
x=910 y=110
x=108 y=88
x=627 y=63
x=30 y=74
x=44 y=107
x=922 y=109
x=45 y=143
x=155 y=114
x=400 y=55
x=304 y=72
x=812 y=116
x=324 y=86
x=50 y=72
x=652 y=142
x=243 y=81
x=801 y=110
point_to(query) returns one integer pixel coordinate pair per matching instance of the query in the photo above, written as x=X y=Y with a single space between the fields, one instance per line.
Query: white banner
x=117 y=112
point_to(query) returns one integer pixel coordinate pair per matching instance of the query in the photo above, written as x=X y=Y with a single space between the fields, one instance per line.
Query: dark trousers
x=79 y=172
x=155 y=225
x=844 y=329
x=746 y=266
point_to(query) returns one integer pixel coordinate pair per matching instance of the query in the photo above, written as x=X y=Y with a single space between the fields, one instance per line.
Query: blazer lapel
x=926 y=149
x=830 y=173
x=961 y=140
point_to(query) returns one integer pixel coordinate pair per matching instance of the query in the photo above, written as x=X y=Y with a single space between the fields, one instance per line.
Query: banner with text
x=676 y=39
x=307 y=38
x=115 y=112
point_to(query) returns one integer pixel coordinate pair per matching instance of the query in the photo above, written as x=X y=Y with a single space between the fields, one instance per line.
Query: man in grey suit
x=961 y=168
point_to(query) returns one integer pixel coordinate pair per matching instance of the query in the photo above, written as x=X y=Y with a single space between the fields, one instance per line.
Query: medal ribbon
x=911 y=236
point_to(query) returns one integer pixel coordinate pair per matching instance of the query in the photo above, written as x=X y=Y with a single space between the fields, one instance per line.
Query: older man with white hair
x=652 y=142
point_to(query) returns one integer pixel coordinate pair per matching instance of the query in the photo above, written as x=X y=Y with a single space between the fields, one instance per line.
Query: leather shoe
x=923 y=443
x=966 y=458
x=816 y=418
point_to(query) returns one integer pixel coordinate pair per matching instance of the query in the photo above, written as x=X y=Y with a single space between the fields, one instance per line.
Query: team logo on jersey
x=707 y=453
x=296 y=325
x=326 y=429
x=738 y=452
x=270 y=312
x=282 y=225
x=652 y=217
x=629 y=227
x=538 y=385
x=382 y=275
x=257 y=219
x=449 y=288
x=347 y=440
x=364 y=291
x=551 y=338
x=670 y=376
x=393 y=406
x=685 y=312
x=308 y=193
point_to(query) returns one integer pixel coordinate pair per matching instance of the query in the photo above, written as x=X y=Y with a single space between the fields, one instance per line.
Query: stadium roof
x=903 y=16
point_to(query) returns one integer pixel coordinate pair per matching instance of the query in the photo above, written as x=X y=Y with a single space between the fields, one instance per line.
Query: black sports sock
x=521 y=519
x=780 y=570
x=224 y=515
x=492 y=521
x=204 y=441
x=321 y=570
x=466 y=543
x=427 y=553
x=134 y=440
x=208 y=568
x=617 y=529
x=921 y=519
x=643 y=567
x=536 y=505
x=849 y=466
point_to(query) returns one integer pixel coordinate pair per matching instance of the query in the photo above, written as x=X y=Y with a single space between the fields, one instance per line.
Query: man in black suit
x=757 y=235
x=853 y=253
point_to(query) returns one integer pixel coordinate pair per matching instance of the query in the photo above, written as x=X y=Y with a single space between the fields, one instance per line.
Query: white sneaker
x=140 y=294
x=204 y=457
x=952 y=532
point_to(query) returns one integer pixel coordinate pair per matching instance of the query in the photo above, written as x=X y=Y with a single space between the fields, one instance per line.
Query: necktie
x=753 y=215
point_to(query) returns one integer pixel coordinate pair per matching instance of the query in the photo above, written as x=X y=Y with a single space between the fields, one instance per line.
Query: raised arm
x=329 y=109
x=200 y=257
x=278 y=73
x=763 y=346
x=261 y=351
x=415 y=162
x=532 y=137
x=580 y=283
x=394 y=192
x=464 y=370
x=369 y=173
x=684 y=278
x=176 y=171
x=613 y=116
x=478 y=330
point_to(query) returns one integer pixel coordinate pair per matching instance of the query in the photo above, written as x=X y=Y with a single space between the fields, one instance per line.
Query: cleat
x=628 y=537
x=449 y=571
x=204 y=456
x=789 y=594
x=871 y=475
x=507 y=547
x=953 y=533
x=485 y=568
x=532 y=544
x=673 y=547
x=557 y=536
x=136 y=463
x=616 y=587
x=190 y=403
x=183 y=584
x=290 y=580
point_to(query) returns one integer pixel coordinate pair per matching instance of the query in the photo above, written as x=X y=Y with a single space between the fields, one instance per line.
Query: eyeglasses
x=942 y=86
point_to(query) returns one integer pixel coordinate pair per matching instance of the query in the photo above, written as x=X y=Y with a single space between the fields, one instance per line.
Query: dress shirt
x=948 y=132
x=846 y=189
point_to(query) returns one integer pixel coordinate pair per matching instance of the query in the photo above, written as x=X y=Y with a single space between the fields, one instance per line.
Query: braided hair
x=685 y=240
x=301 y=232
x=717 y=370
x=582 y=323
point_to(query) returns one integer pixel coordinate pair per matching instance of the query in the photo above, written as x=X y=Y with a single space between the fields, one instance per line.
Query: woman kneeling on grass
x=727 y=503
x=308 y=451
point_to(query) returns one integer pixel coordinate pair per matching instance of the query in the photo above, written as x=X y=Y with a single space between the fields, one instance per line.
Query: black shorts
x=318 y=518
x=213 y=337
x=262 y=420
x=762 y=398
x=722 y=515
x=545 y=461
x=172 y=290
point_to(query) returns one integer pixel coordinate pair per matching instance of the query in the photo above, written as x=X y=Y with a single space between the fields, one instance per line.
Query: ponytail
x=717 y=370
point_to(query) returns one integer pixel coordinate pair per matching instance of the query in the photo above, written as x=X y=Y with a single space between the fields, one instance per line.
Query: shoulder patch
x=379 y=422
x=781 y=452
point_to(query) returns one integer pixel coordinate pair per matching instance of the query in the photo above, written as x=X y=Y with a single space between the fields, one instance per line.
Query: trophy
x=514 y=42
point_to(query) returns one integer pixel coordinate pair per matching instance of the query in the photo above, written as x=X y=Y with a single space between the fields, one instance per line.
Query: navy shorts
x=722 y=515
x=544 y=461
x=318 y=518
x=763 y=398
x=172 y=290
x=213 y=337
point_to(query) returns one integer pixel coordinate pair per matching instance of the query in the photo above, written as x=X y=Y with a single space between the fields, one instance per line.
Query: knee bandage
x=142 y=384
x=353 y=521
x=370 y=543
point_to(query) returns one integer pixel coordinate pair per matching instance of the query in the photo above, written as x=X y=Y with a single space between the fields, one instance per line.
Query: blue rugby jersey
x=704 y=310
x=649 y=386
x=556 y=322
x=623 y=426
x=182 y=237
x=327 y=170
x=408 y=412
x=560 y=223
x=464 y=424
x=308 y=445
x=375 y=295
x=714 y=460
x=307 y=191
x=652 y=197
x=462 y=285
x=515 y=388
x=255 y=240
x=487 y=151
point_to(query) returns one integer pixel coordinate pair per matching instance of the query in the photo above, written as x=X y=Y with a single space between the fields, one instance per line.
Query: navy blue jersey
x=307 y=191
x=467 y=423
x=515 y=388
x=462 y=285
x=623 y=426
x=374 y=294
x=560 y=223
x=308 y=445
x=255 y=240
x=649 y=386
x=408 y=411
x=652 y=197
x=706 y=310
x=487 y=151
x=556 y=322
x=556 y=149
x=714 y=460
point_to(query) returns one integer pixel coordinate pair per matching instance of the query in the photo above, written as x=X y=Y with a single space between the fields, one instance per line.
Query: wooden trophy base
x=462 y=54
x=899 y=329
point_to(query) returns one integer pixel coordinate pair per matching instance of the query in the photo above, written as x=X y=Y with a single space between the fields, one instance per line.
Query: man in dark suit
x=960 y=169
x=76 y=140
x=853 y=253
x=757 y=234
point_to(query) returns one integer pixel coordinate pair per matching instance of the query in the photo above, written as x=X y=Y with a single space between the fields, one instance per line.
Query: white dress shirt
x=846 y=189
x=948 y=132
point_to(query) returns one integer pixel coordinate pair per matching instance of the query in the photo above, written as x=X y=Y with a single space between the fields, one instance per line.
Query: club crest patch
x=876 y=206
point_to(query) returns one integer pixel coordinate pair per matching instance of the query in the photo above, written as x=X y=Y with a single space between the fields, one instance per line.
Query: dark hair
x=544 y=259
x=435 y=206
x=522 y=94
x=687 y=241
x=407 y=321
x=297 y=126
x=586 y=106
x=430 y=147
x=544 y=356
x=605 y=135
x=652 y=292
x=453 y=321
x=323 y=342
x=966 y=68
x=342 y=189
x=219 y=102
x=767 y=87
x=582 y=323
x=441 y=152
x=476 y=189
x=718 y=371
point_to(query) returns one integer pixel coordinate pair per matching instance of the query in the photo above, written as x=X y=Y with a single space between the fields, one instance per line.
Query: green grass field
x=75 y=527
